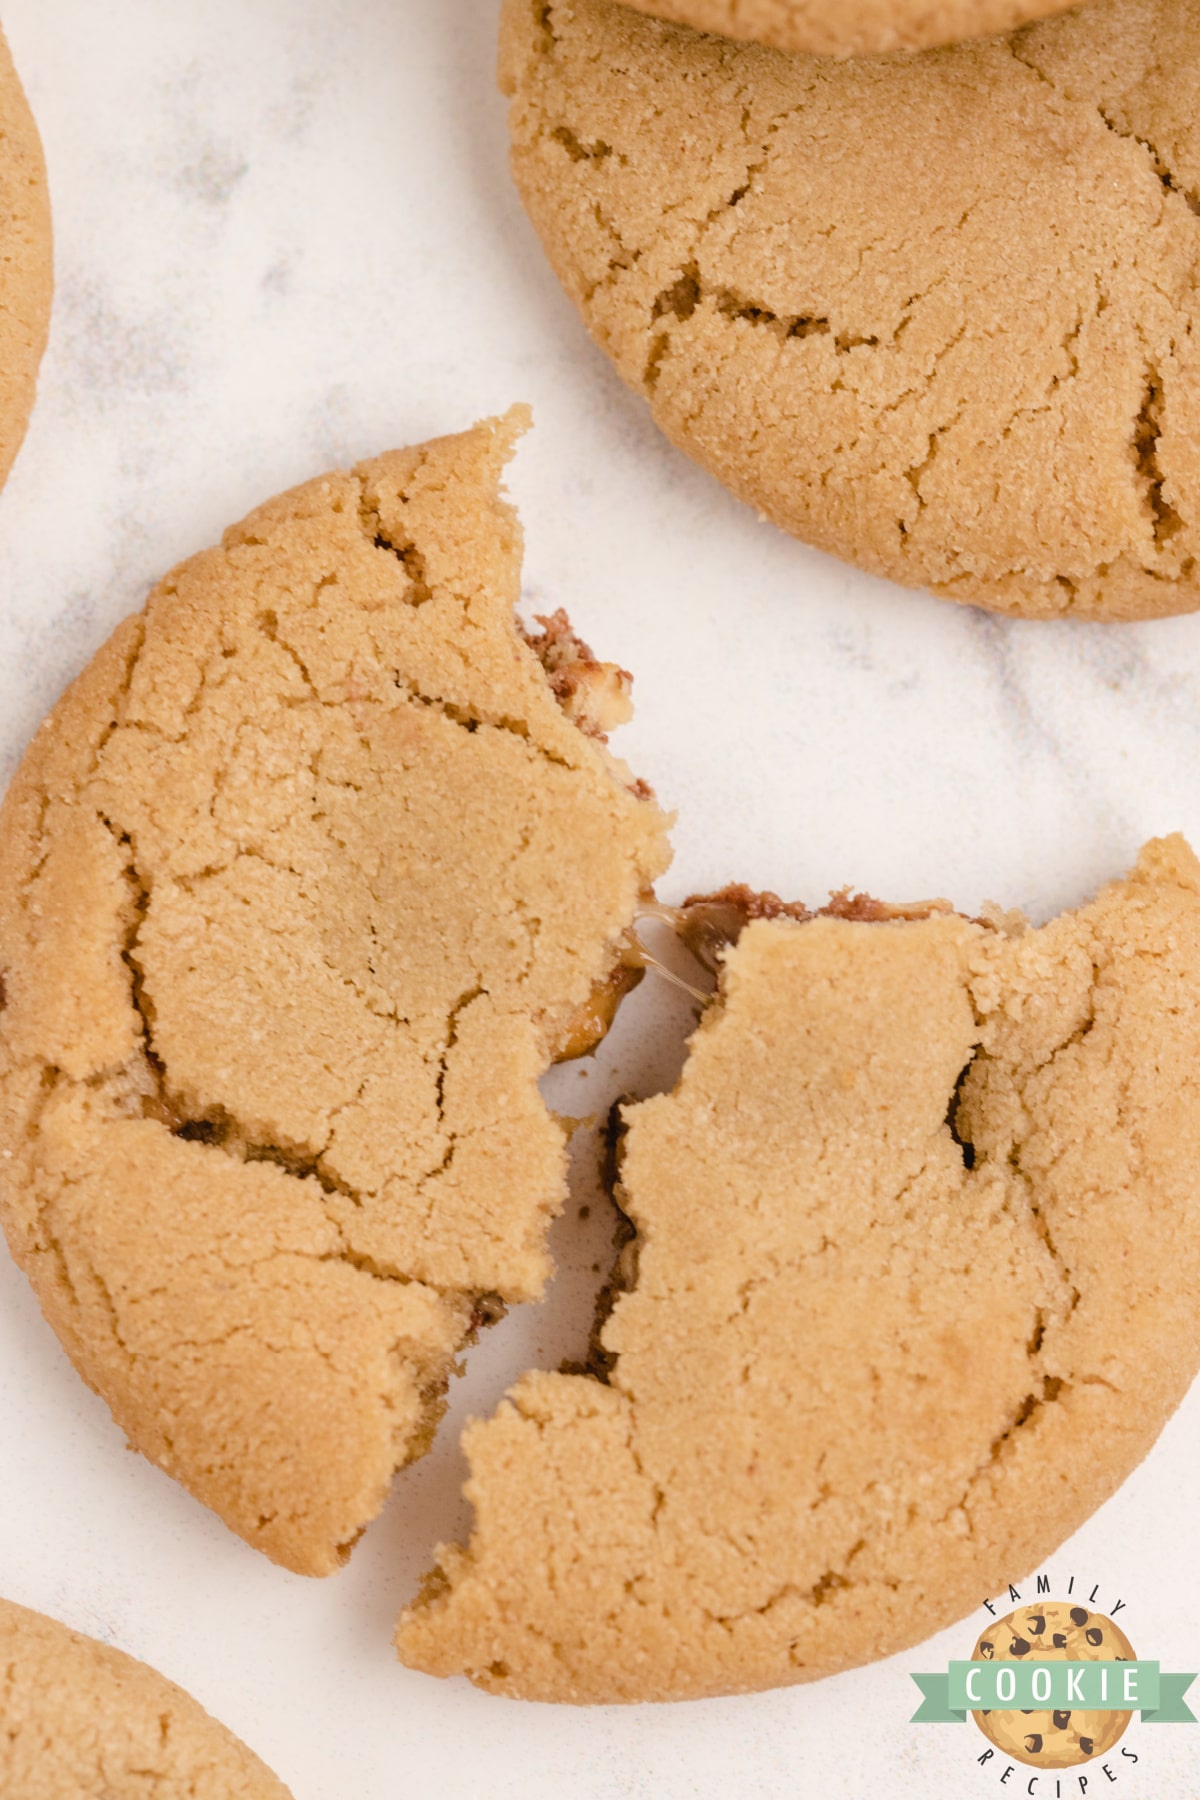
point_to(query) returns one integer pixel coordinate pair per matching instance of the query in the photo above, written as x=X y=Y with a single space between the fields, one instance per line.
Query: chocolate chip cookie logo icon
x=1059 y=1737
x=1054 y=1685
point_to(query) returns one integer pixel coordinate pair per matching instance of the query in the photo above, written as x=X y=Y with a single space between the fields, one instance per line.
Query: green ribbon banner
x=1049 y=1686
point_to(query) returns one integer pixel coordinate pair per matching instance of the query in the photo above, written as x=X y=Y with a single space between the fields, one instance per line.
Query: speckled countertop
x=285 y=239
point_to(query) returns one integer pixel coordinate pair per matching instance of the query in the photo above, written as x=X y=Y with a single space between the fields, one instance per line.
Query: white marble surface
x=286 y=238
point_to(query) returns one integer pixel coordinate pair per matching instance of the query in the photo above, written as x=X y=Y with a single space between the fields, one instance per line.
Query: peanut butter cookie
x=26 y=260
x=305 y=883
x=852 y=27
x=919 y=1217
x=936 y=314
x=85 y=1722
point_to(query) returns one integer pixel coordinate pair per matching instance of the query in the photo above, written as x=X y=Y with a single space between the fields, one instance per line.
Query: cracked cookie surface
x=933 y=314
x=914 y=1286
x=305 y=883
x=26 y=260
x=852 y=27
x=85 y=1722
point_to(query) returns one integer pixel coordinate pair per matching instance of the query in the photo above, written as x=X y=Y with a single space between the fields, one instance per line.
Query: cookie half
x=852 y=27
x=913 y=1288
x=85 y=1721
x=933 y=314
x=26 y=260
x=306 y=881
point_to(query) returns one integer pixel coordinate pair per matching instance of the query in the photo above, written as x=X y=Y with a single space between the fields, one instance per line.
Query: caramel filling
x=707 y=926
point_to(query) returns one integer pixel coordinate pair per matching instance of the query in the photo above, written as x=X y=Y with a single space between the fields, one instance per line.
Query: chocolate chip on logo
x=1080 y=1615
x=987 y=1650
x=1085 y=1744
x=1037 y=1626
x=1093 y=1636
x=1033 y=1742
x=1060 y=1640
x=1061 y=1720
x=1020 y=1646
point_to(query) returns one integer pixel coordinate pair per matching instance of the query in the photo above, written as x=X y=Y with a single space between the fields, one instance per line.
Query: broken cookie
x=85 y=1721
x=306 y=881
x=913 y=1287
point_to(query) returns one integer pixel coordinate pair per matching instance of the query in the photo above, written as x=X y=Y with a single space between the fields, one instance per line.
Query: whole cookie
x=85 y=1722
x=1056 y=1632
x=26 y=260
x=852 y=27
x=302 y=887
x=933 y=314
x=921 y=1214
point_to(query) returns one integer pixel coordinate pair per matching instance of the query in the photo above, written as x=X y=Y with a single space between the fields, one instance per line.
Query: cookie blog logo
x=1053 y=1686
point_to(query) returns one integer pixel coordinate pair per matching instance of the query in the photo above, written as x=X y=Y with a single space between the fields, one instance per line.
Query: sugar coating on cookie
x=82 y=1721
x=305 y=883
x=933 y=314
x=920 y=1215
x=1060 y=1631
x=26 y=260
x=852 y=27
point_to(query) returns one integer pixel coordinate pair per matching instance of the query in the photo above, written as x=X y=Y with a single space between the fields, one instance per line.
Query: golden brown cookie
x=85 y=1722
x=1056 y=1632
x=852 y=27
x=934 y=314
x=919 y=1217
x=305 y=882
x=26 y=260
